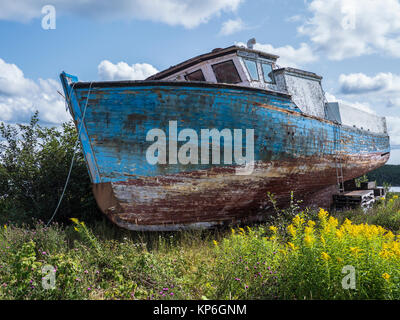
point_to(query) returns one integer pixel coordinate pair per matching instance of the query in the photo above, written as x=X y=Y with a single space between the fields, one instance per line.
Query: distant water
x=393 y=189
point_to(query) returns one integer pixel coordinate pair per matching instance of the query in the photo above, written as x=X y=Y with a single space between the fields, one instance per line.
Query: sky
x=353 y=44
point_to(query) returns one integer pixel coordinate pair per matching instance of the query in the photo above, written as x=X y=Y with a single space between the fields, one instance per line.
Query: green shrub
x=34 y=164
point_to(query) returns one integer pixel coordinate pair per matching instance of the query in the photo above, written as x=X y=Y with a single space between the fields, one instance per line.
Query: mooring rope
x=73 y=157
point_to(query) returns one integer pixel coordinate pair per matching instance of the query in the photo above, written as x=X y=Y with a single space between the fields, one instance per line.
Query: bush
x=34 y=164
x=247 y=266
x=318 y=251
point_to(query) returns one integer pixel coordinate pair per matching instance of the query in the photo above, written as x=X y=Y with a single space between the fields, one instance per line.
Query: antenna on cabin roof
x=251 y=43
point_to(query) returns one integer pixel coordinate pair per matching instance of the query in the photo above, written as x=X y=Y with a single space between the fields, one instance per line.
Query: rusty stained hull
x=293 y=152
x=215 y=197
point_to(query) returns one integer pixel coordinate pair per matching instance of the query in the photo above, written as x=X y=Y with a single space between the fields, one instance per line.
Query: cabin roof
x=218 y=52
x=298 y=72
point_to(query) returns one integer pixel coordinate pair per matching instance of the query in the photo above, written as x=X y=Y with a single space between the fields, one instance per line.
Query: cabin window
x=226 y=72
x=195 y=76
x=251 y=66
x=267 y=71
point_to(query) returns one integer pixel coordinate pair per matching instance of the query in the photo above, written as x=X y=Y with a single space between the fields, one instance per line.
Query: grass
x=301 y=255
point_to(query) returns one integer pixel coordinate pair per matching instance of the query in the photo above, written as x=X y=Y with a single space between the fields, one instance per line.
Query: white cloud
x=354 y=83
x=351 y=28
x=189 y=13
x=20 y=97
x=393 y=125
x=382 y=90
x=288 y=55
x=122 y=71
x=295 y=18
x=231 y=26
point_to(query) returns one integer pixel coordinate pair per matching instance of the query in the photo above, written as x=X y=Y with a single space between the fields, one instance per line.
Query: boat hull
x=292 y=152
x=215 y=197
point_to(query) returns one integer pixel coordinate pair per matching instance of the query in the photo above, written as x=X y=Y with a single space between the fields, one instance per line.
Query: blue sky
x=353 y=44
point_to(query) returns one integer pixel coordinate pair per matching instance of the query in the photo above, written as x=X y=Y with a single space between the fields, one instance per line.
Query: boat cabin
x=244 y=66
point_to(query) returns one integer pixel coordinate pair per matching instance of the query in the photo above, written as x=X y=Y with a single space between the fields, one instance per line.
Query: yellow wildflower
x=308 y=240
x=282 y=251
x=355 y=250
x=74 y=220
x=339 y=234
x=297 y=221
x=333 y=222
x=385 y=254
x=325 y=256
x=291 y=230
x=233 y=231
x=5 y=227
x=386 y=276
x=395 y=196
x=311 y=223
x=322 y=214
x=273 y=229
x=215 y=242
x=389 y=235
x=292 y=246
x=308 y=230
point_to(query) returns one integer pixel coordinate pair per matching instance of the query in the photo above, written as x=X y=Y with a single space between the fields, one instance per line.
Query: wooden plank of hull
x=218 y=196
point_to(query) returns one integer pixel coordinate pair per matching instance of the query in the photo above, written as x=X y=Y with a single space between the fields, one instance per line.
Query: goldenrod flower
x=325 y=256
x=385 y=254
x=333 y=222
x=75 y=220
x=297 y=221
x=339 y=234
x=282 y=251
x=308 y=240
x=389 y=235
x=386 y=276
x=215 y=242
x=233 y=231
x=5 y=227
x=273 y=229
x=291 y=230
x=308 y=230
x=311 y=223
x=292 y=246
x=355 y=250
x=322 y=214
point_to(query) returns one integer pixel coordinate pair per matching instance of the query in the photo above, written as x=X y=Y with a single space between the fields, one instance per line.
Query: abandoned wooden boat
x=201 y=143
